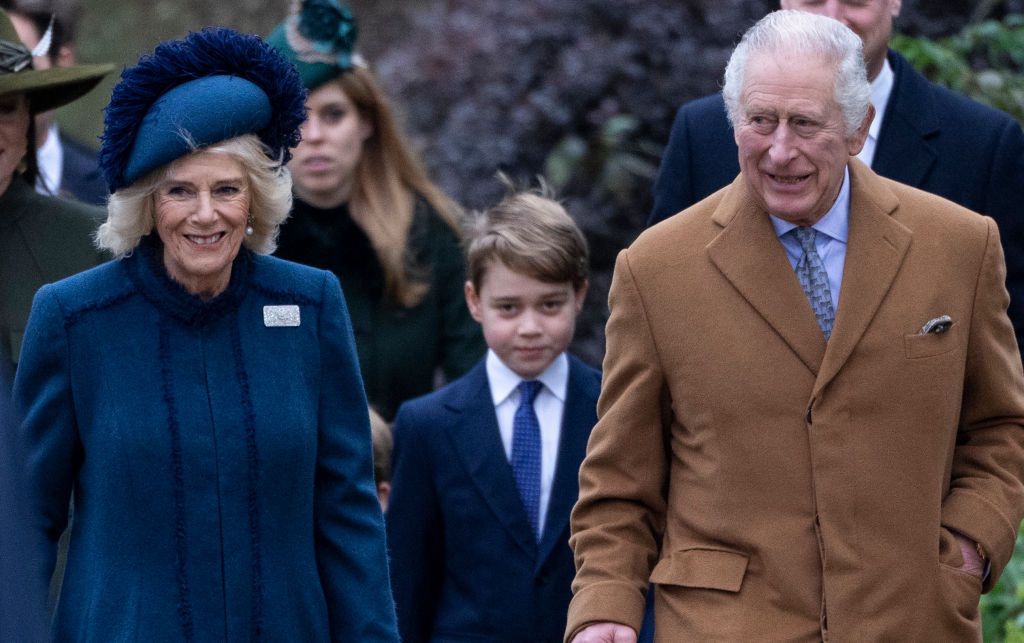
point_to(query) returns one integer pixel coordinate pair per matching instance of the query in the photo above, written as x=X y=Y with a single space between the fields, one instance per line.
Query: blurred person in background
x=201 y=399
x=42 y=239
x=22 y=607
x=366 y=210
x=67 y=166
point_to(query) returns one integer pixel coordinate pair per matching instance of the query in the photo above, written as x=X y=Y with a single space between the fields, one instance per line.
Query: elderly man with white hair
x=811 y=425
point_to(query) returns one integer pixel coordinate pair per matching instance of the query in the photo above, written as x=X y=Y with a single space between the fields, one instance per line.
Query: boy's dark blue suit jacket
x=464 y=562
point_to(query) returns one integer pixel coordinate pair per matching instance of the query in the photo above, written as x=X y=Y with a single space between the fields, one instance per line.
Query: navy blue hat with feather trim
x=210 y=86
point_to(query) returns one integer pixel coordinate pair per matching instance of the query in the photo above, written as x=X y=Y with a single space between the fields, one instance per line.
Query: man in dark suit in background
x=68 y=167
x=923 y=135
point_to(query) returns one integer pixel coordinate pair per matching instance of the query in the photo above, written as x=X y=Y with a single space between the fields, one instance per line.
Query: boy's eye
x=553 y=305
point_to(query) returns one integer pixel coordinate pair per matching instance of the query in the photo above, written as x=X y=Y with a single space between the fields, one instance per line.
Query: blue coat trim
x=180 y=548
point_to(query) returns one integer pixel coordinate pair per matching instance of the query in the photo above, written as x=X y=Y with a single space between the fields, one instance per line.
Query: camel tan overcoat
x=774 y=488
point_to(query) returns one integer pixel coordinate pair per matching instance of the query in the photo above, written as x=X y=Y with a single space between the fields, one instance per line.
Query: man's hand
x=606 y=633
x=973 y=562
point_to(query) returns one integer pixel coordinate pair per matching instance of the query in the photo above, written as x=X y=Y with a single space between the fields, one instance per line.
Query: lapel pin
x=287 y=315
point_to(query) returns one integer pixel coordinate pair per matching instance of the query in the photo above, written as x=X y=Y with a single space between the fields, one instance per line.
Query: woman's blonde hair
x=131 y=211
x=387 y=179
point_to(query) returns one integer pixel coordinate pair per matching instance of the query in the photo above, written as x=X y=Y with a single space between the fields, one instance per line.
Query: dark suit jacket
x=81 y=177
x=22 y=612
x=931 y=138
x=42 y=239
x=465 y=565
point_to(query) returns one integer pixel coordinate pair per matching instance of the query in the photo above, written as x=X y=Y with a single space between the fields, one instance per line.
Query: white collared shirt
x=830 y=242
x=881 y=89
x=549 y=406
x=50 y=158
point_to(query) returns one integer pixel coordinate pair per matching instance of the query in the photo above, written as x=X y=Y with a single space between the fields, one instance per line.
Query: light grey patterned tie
x=810 y=271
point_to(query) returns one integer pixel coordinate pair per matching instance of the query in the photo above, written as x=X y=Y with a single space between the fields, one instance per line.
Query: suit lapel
x=578 y=418
x=749 y=255
x=874 y=252
x=903 y=152
x=477 y=441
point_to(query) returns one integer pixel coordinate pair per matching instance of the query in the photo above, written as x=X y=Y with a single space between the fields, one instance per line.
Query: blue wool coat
x=221 y=466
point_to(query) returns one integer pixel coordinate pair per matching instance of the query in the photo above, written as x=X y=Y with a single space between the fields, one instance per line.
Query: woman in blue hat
x=366 y=210
x=200 y=399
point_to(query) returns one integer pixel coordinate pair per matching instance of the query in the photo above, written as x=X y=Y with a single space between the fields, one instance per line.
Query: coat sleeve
x=350 y=548
x=48 y=437
x=461 y=342
x=986 y=497
x=1003 y=193
x=414 y=528
x=672 y=189
x=618 y=521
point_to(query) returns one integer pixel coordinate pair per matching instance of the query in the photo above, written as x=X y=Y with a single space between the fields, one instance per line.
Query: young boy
x=485 y=469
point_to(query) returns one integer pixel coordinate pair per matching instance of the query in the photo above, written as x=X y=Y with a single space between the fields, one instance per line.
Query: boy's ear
x=473 y=302
x=580 y=296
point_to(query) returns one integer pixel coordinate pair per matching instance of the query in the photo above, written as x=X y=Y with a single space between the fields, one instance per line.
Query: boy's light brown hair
x=531 y=234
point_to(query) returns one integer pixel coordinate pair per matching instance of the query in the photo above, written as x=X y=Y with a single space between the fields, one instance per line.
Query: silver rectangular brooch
x=281 y=315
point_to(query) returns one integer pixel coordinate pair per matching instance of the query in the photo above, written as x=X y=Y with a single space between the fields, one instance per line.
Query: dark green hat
x=319 y=38
x=46 y=88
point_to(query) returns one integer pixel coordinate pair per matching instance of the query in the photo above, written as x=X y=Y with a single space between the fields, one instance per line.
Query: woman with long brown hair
x=366 y=210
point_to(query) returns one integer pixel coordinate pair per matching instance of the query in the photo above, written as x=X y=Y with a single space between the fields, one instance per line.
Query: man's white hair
x=799 y=34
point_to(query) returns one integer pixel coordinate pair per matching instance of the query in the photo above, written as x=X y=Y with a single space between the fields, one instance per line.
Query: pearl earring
x=249 y=225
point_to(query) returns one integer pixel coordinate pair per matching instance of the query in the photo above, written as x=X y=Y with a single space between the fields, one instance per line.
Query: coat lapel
x=874 y=252
x=903 y=152
x=477 y=441
x=578 y=418
x=749 y=255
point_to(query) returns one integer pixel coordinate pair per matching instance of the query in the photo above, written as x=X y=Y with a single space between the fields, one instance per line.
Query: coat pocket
x=702 y=568
x=930 y=344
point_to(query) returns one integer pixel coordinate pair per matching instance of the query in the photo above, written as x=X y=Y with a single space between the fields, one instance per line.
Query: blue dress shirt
x=833 y=229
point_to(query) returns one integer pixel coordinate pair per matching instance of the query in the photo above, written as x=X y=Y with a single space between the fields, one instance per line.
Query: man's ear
x=473 y=302
x=855 y=142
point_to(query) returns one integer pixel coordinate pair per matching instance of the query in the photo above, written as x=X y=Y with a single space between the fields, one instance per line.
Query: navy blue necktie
x=526 y=452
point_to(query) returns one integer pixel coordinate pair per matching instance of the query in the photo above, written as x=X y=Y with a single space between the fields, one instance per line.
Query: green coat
x=42 y=239
x=400 y=349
